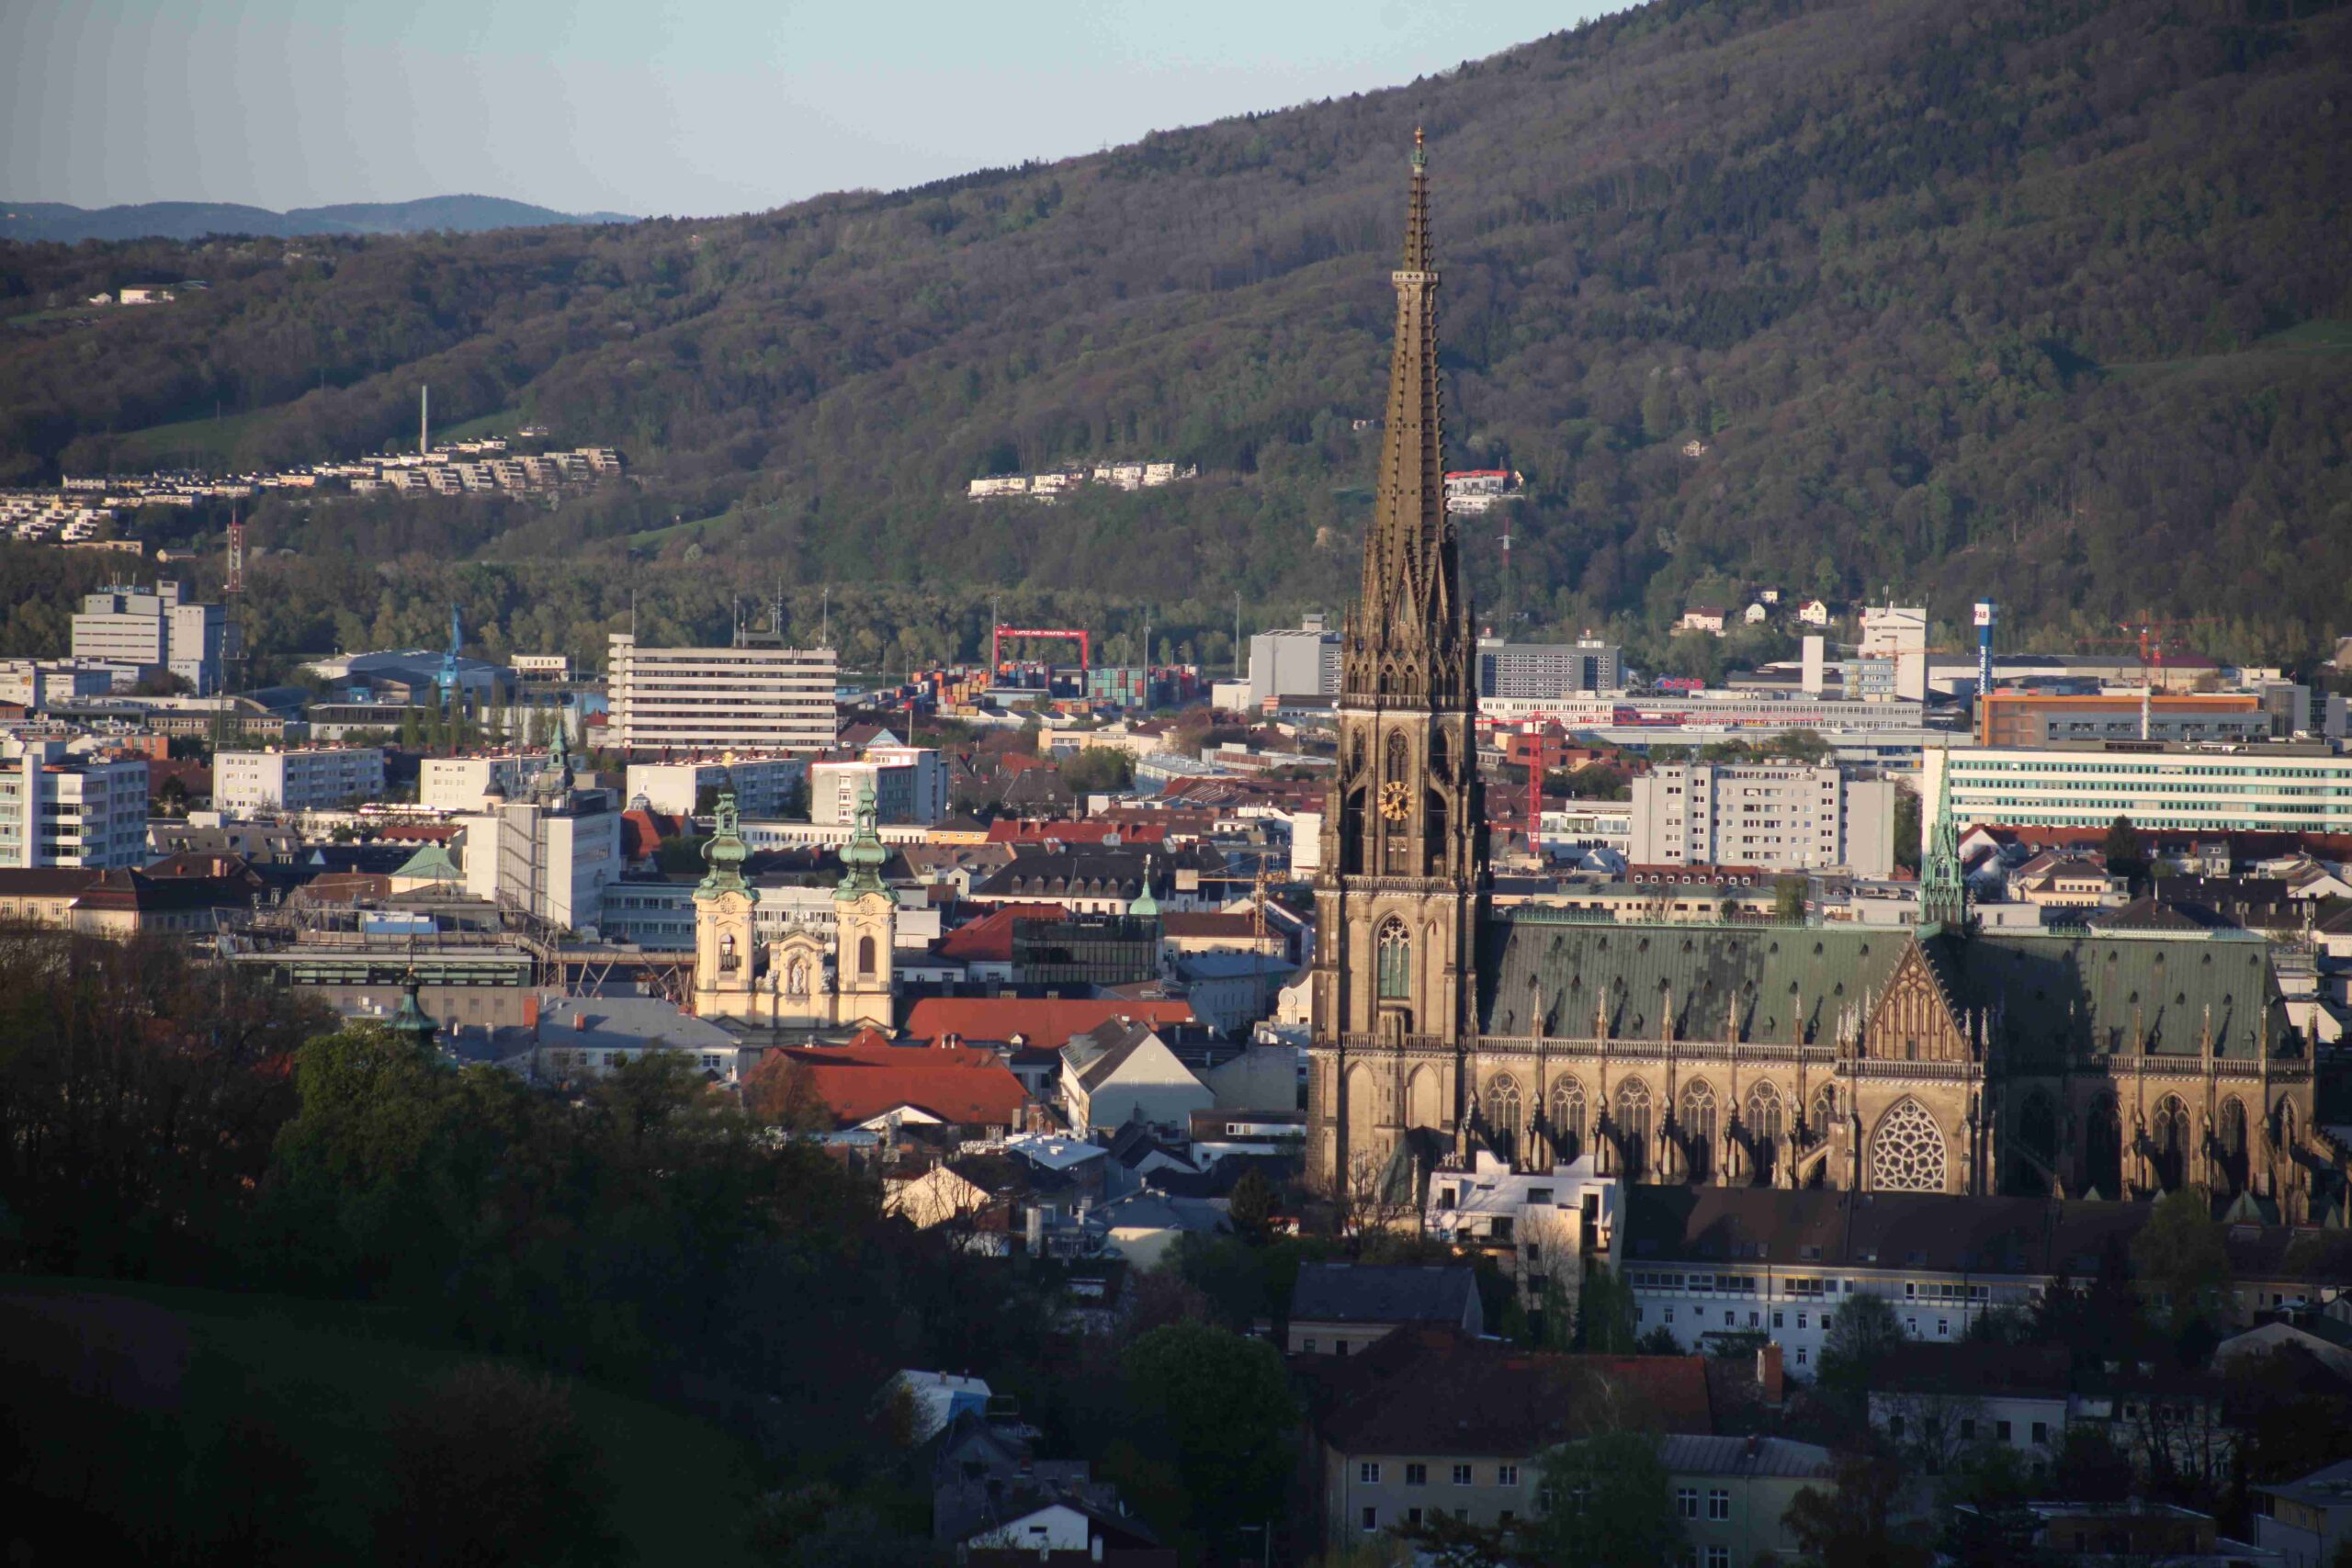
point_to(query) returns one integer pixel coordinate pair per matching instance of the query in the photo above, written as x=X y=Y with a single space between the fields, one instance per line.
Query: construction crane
x=2146 y=633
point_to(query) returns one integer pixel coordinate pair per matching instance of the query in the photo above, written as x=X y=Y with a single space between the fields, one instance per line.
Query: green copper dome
x=409 y=1019
x=726 y=851
x=863 y=856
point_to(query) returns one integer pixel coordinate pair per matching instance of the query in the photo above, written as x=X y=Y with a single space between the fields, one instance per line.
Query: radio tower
x=237 y=583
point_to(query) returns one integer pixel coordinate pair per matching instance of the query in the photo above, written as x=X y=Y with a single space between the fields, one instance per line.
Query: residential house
x=1122 y=1071
x=2136 y=1530
x=1732 y=1494
x=1813 y=613
x=871 y=1083
x=577 y=1038
x=994 y=1500
x=1337 y=1308
x=2306 y=1521
x=1142 y=1226
x=1434 y=1418
x=1540 y=1225
x=1702 y=619
x=2055 y=881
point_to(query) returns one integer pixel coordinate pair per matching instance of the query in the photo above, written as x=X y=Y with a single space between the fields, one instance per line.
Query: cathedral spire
x=1943 y=894
x=1408 y=641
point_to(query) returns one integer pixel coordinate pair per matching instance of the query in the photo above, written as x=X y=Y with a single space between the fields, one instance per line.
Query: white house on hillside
x=1121 y=1072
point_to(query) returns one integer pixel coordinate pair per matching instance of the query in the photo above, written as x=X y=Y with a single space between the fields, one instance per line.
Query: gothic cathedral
x=1941 y=1057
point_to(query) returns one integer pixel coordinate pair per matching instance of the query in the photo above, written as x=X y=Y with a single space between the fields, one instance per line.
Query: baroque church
x=1937 y=1058
x=808 y=980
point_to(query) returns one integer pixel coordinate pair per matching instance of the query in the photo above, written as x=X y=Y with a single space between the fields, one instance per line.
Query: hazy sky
x=687 y=106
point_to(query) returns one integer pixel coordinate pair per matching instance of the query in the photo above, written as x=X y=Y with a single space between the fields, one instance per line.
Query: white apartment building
x=308 y=778
x=762 y=784
x=909 y=785
x=551 y=858
x=1300 y=663
x=755 y=699
x=1730 y=711
x=465 y=784
x=61 y=810
x=1777 y=818
x=156 y=627
x=2164 y=786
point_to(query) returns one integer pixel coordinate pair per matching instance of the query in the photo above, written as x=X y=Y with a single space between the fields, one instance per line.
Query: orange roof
x=868 y=1078
x=989 y=938
x=1036 y=1021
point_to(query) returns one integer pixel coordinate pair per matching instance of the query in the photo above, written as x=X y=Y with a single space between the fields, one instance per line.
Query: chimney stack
x=1768 y=1372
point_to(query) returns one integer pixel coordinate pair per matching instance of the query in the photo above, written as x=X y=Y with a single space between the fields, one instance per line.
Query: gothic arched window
x=865 y=956
x=2231 y=1138
x=1395 y=947
x=2170 y=1136
x=1399 y=757
x=2103 y=1149
x=1568 y=1120
x=1907 y=1154
x=1767 y=1123
x=1699 y=1128
x=1632 y=1120
x=1503 y=1113
x=1822 y=1119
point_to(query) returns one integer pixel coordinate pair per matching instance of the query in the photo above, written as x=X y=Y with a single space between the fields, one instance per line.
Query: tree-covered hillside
x=2041 y=300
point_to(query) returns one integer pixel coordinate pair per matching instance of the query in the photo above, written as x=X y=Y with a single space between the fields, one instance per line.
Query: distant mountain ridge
x=57 y=220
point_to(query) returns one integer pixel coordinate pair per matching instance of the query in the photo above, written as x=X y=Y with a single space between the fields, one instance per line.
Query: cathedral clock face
x=1392 y=800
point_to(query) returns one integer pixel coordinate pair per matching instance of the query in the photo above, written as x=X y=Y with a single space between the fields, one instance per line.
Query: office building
x=1547 y=669
x=1304 y=662
x=749 y=698
x=2046 y=718
x=763 y=786
x=548 y=854
x=2160 y=786
x=295 y=779
x=36 y=683
x=1899 y=635
x=1776 y=818
x=155 y=628
x=57 y=808
x=909 y=785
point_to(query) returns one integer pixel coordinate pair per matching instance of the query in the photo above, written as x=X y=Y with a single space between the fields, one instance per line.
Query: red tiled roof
x=1039 y=1021
x=868 y=1078
x=642 y=831
x=1191 y=922
x=1029 y=830
x=989 y=938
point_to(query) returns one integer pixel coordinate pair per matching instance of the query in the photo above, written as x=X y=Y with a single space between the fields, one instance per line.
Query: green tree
x=1215 y=1408
x=1253 y=1207
x=2181 y=1263
x=1788 y=899
x=2121 y=848
x=1802 y=745
x=1607 y=1500
x=492 y=1466
x=1907 y=826
x=1098 y=770
x=1605 y=1321
x=1849 y=1527
x=1861 y=1332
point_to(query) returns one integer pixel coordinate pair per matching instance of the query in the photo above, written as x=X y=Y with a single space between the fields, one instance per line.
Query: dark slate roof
x=1440 y=1390
x=1383 y=1293
x=2057 y=993
x=1930 y=1231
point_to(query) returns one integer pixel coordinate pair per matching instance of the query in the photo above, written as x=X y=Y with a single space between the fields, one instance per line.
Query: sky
x=662 y=106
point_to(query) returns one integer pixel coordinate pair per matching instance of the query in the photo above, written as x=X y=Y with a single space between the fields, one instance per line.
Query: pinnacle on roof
x=1943 y=895
x=409 y=1021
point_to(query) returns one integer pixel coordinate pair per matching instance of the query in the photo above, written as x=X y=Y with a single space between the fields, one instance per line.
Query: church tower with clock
x=1399 y=900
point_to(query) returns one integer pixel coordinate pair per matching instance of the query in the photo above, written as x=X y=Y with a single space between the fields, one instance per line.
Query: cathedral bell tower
x=1399 y=897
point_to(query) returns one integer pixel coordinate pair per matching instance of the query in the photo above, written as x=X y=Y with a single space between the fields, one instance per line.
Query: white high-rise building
x=1775 y=818
x=57 y=808
x=154 y=626
x=2163 y=786
x=1898 y=634
x=754 y=698
x=308 y=778
x=763 y=785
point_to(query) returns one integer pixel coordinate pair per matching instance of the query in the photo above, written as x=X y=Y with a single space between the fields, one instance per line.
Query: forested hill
x=196 y=219
x=2045 y=299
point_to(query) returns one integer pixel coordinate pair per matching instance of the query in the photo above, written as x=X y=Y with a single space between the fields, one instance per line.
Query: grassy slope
x=329 y=1375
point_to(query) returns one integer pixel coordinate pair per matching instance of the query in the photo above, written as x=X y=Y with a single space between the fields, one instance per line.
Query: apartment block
x=295 y=779
x=467 y=784
x=57 y=808
x=1542 y=669
x=154 y=626
x=755 y=699
x=1777 y=818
